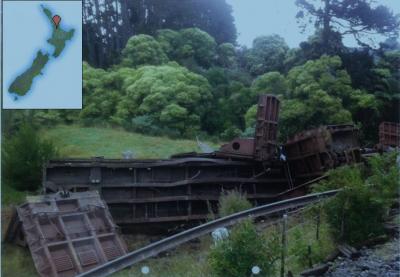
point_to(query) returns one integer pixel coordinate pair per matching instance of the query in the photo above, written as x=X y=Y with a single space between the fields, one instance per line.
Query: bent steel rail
x=185 y=236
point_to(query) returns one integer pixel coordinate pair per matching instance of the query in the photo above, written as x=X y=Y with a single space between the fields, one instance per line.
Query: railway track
x=185 y=236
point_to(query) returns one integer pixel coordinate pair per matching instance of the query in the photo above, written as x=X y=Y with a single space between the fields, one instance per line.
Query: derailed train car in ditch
x=67 y=233
x=187 y=186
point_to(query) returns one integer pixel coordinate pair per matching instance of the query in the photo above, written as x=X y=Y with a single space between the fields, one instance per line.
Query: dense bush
x=232 y=202
x=143 y=50
x=267 y=54
x=244 y=248
x=358 y=211
x=170 y=96
x=24 y=154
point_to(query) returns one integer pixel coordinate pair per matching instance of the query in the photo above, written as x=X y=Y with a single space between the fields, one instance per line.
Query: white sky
x=264 y=17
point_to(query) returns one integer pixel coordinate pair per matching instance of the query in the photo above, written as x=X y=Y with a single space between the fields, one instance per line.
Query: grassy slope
x=75 y=141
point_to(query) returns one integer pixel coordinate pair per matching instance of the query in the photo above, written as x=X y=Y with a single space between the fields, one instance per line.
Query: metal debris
x=68 y=235
x=311 y=153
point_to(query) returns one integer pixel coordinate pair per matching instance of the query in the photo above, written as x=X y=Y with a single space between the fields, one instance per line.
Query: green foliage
x=363 y=197
x=101 y=95
x=198 y=46
x=250 y=116
x=270 y=83
x=244 y=248
x=387 y=83
x=348 y=214
x=170 y=95
x=305 y=250
x=231 y=98
x=320 y=93
x=143 y=50
x=230 y=133
x=169 y=41
x=232 y=202
x=23 y=157
x=356 y=17
x=384 y=176
x=227 y=55
x=267 y=54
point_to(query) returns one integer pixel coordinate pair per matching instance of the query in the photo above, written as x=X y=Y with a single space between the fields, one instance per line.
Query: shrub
x=23 y=157
x=143 y=50
x=230 y=133
x=305 y=248
x=384 y=176
x=356 y=213
x=232 y=202
x=244 y=248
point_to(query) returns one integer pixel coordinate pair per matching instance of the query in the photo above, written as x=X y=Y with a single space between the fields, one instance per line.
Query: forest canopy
x=180 y=72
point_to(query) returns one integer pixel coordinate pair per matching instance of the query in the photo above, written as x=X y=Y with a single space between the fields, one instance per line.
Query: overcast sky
x=263 y=17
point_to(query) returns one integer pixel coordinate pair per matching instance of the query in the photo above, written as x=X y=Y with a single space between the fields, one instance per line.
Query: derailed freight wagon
x=187 y=187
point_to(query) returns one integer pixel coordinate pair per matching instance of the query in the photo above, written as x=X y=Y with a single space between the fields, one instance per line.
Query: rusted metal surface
x=69 y=235
x=389 y=135
x=313 y=152
x=265 y=140
x=239 y=148
x=263 y=146
x=155 y=191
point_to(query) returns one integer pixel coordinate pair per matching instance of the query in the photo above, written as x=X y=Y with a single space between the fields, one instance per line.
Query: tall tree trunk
x=326 y=31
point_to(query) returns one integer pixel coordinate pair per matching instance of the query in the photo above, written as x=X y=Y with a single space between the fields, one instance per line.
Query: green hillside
x=75 y=141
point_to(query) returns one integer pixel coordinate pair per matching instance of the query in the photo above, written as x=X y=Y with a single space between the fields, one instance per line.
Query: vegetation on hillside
x=23 y=157
x=186 y=79
x=367 y=192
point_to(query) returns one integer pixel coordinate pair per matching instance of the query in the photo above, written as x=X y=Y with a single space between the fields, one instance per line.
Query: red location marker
x=56 y=20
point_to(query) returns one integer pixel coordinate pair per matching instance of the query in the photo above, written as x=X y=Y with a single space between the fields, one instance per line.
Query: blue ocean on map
x=26 y=30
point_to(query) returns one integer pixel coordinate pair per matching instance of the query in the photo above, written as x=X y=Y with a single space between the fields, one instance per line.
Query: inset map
x=42 y=55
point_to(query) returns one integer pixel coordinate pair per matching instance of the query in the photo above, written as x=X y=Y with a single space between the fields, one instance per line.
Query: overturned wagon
x=311 y=153
x=166 y=190
x=187 y=187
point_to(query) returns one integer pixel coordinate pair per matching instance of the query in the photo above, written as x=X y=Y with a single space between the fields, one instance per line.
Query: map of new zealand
x=42 y=55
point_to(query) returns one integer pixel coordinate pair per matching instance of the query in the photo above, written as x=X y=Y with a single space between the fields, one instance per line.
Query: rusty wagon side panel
x=69 y=235
x=154 y=191
x=313 y=152
x=389 y=135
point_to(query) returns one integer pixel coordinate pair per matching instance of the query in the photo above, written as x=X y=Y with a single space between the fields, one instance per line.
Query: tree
x=169 y=41
x=143 y=50
x=347 y=17
x=100 y=95
x=366 y=192
x=267 y=54
x=108 y=24
x=24 y=154
x=227 y=55
x=316 y=93
x=198 y=46
x=386 y=86
x=231 y=98
x=271 y=83
x=320 y=93
x=170 y=96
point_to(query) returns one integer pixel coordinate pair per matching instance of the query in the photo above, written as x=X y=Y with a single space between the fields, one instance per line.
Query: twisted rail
x=185 y=236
